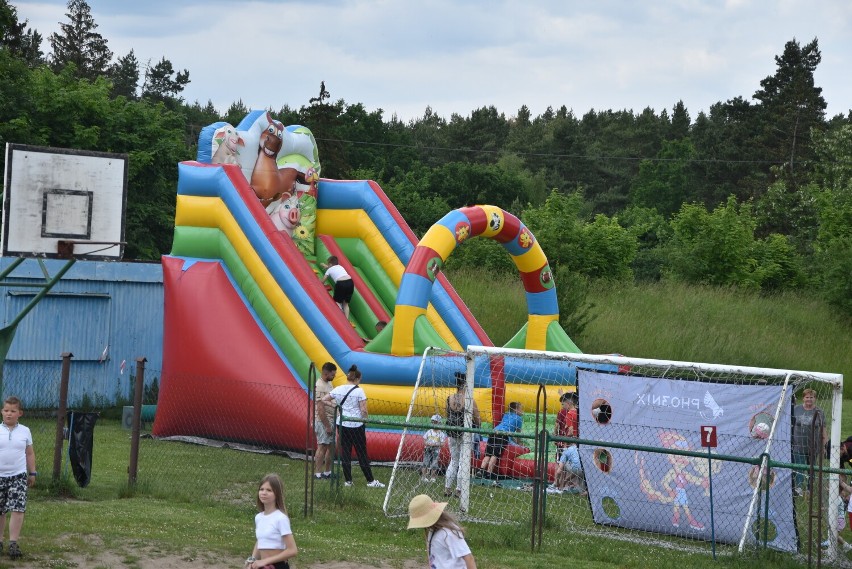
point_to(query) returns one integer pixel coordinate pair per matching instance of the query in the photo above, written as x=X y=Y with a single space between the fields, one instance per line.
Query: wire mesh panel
x=638 y=466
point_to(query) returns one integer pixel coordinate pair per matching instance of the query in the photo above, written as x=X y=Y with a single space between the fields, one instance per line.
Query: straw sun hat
x=423 y=512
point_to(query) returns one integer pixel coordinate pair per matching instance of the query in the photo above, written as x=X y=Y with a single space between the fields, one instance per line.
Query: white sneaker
x=348 y=483
x=432 y=479
x=375 y=484
x=553 y=490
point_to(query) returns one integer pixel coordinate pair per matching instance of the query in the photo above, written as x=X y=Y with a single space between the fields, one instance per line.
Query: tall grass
x=681 y=322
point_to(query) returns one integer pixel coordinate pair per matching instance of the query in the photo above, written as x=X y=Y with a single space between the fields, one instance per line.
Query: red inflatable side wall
x=221 y=376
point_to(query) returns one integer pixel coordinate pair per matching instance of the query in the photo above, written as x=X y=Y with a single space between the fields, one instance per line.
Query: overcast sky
x=456 y=56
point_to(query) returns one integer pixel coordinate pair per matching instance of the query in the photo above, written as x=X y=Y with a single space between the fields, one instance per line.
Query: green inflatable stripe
x=558 y=341
x=425 y=336
x=211 y=243
x=381 y=344
x=519 y=340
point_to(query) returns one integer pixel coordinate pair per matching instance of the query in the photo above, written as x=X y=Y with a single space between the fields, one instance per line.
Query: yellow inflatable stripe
x=357 y=224
x=490 y=210
x=531 y=260
x=537 y=330
x=200 y=211
x=395 y=399
x=402 y=343
x=440 y=239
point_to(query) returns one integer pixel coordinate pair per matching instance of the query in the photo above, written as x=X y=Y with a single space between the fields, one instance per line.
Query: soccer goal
x=685 y=451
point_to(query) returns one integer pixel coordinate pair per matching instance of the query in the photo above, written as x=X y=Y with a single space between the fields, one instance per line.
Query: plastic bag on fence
x=81 y=435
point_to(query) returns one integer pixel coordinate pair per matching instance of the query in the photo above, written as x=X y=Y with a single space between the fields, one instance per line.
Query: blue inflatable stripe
x=514 y=248
x=452 y=219
x=415 y=291
x=205 y=142
x=250 y=119
x=543 y=303
x=359 y=195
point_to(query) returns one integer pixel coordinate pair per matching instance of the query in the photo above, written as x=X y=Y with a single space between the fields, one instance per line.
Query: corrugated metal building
x=105 y=313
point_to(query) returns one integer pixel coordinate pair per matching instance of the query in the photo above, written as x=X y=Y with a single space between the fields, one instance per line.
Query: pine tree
x=125 y=76
x=161 y=82
x=23 y=43
x=79 y=44
x=791 y=105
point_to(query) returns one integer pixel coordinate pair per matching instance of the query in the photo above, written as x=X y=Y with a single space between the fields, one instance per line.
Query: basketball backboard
x=54 y=195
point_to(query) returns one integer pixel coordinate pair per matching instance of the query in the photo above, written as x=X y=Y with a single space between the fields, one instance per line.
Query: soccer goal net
x=666 y=451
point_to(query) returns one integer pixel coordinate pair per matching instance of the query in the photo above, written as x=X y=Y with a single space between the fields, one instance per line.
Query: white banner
x=670 y=494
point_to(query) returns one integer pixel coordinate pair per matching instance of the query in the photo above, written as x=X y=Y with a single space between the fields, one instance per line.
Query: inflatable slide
x=247 y=310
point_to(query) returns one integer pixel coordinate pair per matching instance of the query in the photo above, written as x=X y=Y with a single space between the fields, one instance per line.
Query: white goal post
x=671 y=497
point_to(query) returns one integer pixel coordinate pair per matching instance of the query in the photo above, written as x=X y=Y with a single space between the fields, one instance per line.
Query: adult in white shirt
x=353 y=404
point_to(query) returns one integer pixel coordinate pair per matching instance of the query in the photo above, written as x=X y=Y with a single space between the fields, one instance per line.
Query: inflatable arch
x=542 y=330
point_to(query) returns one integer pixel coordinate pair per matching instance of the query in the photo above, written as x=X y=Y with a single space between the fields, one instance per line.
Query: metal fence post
x=60 y=414
x=137 y=420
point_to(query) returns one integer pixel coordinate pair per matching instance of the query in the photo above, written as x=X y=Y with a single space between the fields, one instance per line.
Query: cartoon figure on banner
x=760 y=425
x=684 y=472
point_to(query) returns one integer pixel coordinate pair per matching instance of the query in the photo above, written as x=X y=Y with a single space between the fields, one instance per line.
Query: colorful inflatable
x=246 y=311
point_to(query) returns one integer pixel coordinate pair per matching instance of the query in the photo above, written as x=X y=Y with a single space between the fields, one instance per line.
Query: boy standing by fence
x=17 y=472
x=433 y=440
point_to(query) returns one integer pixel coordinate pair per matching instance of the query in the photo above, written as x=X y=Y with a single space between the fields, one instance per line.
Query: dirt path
x=108 y=560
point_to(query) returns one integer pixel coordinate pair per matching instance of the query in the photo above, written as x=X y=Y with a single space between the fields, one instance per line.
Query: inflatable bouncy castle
x=247 y=311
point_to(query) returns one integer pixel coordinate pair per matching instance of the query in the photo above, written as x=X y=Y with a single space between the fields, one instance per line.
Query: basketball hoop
x=65 y=247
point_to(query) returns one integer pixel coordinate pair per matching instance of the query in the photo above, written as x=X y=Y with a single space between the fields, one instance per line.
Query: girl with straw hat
x=445 y=544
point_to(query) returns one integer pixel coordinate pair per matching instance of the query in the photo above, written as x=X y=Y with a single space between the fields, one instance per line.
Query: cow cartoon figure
x=286 y=213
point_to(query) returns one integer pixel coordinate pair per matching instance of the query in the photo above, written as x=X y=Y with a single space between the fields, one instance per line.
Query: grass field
x=198 y=502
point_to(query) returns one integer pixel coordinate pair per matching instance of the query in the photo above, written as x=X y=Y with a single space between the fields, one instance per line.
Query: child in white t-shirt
x=275 y=545
x=433 y=440
x=446 y=547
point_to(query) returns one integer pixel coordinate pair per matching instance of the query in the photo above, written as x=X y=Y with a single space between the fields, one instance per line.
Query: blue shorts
x=13 y=493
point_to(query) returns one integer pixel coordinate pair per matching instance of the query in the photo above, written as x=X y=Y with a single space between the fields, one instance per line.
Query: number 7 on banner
x=708 y=436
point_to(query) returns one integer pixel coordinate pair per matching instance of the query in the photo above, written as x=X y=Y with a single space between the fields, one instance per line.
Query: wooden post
x=137 y=420
x=60 y=414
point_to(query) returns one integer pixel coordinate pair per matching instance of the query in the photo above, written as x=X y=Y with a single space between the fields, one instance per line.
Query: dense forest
x=756 y=193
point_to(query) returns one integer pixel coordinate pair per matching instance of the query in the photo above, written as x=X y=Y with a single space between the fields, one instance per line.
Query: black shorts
x=343 y=290
x=496 y=445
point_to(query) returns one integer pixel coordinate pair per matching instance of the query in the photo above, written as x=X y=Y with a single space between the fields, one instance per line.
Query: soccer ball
x=760 y=431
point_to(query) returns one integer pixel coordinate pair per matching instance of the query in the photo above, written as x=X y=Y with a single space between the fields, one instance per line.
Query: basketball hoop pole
x=8 y=331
